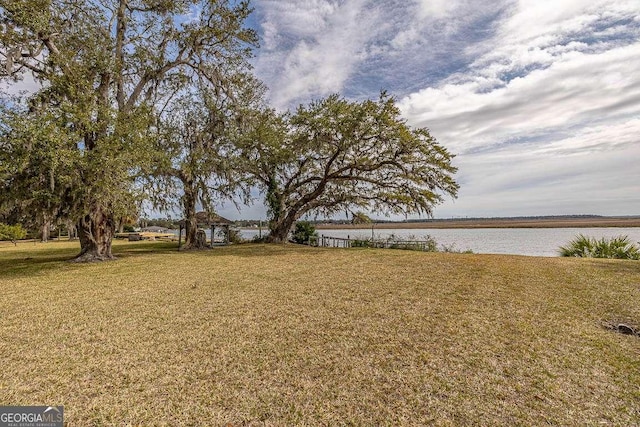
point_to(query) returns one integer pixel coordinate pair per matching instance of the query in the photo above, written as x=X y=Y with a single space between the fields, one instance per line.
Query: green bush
x=588 y=247
x=232 y=235
x=235 y=235
x=260 y=238
x=453 y=249
x=412 y=243
x=304 y=233
x=12 y=232
x=361 y=243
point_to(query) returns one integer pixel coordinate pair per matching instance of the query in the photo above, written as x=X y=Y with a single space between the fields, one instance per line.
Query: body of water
x=515 y=241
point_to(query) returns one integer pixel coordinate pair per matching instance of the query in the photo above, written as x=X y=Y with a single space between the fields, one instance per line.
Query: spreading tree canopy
x=196 y=158
x=104 y=67
x=336 y=155
x=35 y=170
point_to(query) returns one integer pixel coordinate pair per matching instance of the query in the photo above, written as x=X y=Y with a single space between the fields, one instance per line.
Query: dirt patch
x=623 y=327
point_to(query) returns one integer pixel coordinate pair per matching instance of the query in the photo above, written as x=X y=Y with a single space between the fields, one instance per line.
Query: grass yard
x=285 y=335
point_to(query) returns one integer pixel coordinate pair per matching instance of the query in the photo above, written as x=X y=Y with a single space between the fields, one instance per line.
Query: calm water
x=517 y=241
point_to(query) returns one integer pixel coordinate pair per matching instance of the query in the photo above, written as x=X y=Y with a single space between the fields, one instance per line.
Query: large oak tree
x=104 y=66
x=36 y=170
x=336 y=155
x=196 y=158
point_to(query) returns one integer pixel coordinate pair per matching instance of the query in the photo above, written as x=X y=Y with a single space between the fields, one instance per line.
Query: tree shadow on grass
x=25 y=263
x=253 y=250
x=126 y=250
x=618 y=266
x=31 y=264
x=247 y=250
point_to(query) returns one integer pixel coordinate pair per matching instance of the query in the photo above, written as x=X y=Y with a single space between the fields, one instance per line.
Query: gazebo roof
x=211 y=219
x=207 y=219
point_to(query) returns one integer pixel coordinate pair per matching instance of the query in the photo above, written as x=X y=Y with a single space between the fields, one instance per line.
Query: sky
x=539 y=100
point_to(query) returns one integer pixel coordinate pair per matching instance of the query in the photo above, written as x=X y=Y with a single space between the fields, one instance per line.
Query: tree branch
x=120 y=32
x=155 y=75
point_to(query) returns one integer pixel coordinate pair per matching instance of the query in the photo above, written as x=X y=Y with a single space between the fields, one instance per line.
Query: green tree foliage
x=158 y=222
x=195 y=158
x=360 y=218
x=588 y=247
x=104 y=68
x=335 y=155
x=36 y=169
x=12 y=232
x=304 y=232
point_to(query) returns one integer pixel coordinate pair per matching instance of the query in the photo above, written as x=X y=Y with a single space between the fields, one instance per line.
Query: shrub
x=453 y=249
x=361 y=243
x=234 y=235
x=304 y=233
x=588 y=247
x=411 y=243
x=12 y=232
x=260 y=239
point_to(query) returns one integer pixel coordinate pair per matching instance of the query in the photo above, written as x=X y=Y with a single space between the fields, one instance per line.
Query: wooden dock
x=341 y=242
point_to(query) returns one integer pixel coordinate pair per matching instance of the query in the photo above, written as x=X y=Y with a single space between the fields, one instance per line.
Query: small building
x=208 y=220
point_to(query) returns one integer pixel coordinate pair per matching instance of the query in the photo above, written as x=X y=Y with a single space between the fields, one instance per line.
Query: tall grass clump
x=619 y=247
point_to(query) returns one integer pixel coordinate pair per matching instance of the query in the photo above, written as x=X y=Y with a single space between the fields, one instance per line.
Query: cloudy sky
x=539 y=100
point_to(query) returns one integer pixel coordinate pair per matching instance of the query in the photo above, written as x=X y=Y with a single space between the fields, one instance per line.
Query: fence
x=341 y=242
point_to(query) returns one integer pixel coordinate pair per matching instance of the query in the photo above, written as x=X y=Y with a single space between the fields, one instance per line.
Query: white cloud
x=546 y=121
x=518 y=183
x=533 y=18
x=312 y=46
x=436 y=9
x=405 y=37
x=300 y=19
x=540 y=98
x=576 y=88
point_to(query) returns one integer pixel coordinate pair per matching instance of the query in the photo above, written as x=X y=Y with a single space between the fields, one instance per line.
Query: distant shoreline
x=496 y=223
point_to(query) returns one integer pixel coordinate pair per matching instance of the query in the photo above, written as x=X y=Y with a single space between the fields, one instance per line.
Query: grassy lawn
x=275 y=335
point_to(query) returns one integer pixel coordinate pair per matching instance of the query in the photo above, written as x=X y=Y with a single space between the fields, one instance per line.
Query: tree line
x=146 y=101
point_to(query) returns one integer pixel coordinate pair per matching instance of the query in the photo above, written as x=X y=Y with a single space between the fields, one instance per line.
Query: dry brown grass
x=275 y=335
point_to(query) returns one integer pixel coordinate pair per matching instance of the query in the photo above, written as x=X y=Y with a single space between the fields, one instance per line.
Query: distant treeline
x=509 y=218
x=250 y=223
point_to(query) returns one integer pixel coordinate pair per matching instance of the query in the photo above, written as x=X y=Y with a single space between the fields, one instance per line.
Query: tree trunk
x=191 y=240
x=95 y=232
x=46 y=227
x=280 y=228
x=280 y=223
x=120 y=226
x=71 y=230
x=201 y=240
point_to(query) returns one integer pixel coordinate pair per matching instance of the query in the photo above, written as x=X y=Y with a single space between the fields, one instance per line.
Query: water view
x=516 y=241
